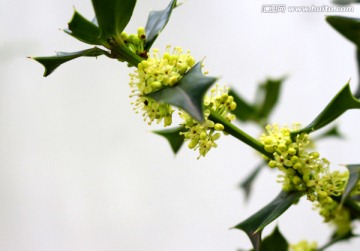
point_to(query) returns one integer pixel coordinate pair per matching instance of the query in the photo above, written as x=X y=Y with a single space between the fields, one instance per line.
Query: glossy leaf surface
x=83 y=29
x=274 y=242
x=254 y=225
x=51 y=63
x=349 y=27
x=188 y=93
x=156 y=22
x=112 y=17
x=342 y=102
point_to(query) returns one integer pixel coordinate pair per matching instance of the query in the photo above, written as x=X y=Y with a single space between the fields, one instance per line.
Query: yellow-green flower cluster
x=300 y=167
x=303 y=246
x=304 y=170
x=330 y=185
x=135 y=42
x=153 y=74
x=157 y=72
x=203 y=136
x=153 y=110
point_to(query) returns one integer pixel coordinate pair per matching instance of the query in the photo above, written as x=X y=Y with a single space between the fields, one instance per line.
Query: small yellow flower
x=157 y=72
x=304 y=170
x=135 y=42
x=202 y=136
x=153 y=111
x=153 y=74
x=303 y=246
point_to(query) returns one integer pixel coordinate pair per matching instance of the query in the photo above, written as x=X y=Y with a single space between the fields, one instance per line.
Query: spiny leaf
x=156 y=22
x=267 y=97
x=254 y=225
x=51 y=63
x=173 y=136
x=354 y=177
x=268 y=93
x=83 y=29
x=246 y=185
x=112 y=17
x=342 y=102
x=244 y=111
x=274 y=242
x=349 y=27
x=188 y=93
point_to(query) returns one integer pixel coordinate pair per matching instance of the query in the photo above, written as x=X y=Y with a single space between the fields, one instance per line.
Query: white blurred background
x=80 y=171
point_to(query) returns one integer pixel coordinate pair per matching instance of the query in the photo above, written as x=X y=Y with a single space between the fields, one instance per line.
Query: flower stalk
x=122 y=53
x=240 y=134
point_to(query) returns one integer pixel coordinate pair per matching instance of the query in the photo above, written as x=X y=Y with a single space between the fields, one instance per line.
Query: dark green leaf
x=83 y=29
x=156 y=22
x=188 y=93
x=254 y=225
x=268 y=93
x=354 y=177
x=244 y=111
x=342 y=102
x=173 y=137
x=246 y=185
x=112 y=17
x=349 y=27
x=274 y=242
x=267 y=97
x=51 y=63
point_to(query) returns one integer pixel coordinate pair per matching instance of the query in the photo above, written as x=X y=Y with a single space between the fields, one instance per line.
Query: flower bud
x=193 y=143
x=167 y=120
x=216 y=136
x=292 y=151
x=155 y=85
x=269 y=148
x=141 y=33
x=219 y=127
x=314 y=155
x=124 y=36
x=272 y=163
